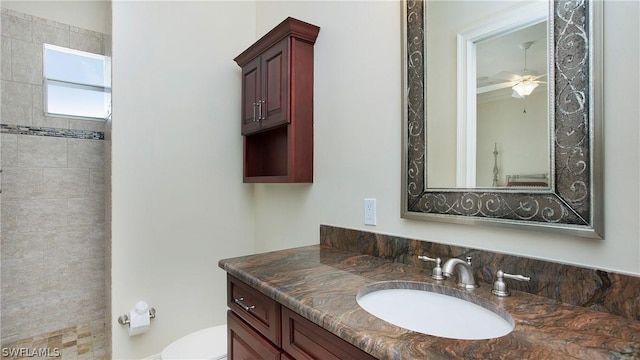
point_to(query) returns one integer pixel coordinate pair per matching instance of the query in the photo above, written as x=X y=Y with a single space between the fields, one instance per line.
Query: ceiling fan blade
x=537 y=77
x=494 y=87
x=529 y=73
x=509 y=76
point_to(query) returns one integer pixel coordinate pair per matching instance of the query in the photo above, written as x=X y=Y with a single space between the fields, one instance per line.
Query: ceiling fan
x=522 y=83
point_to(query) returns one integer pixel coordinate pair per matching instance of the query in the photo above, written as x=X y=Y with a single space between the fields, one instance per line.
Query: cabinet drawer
x=303 y=339
x=244 y=343
x=257 y=309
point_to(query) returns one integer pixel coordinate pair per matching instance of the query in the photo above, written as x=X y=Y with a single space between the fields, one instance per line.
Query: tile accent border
x=84 y=341
x=598 y=290
x=53 y=132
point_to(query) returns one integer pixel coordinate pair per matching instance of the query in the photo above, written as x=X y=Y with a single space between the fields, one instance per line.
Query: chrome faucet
x=500 y=287
x=464 y=270
x=436 y=274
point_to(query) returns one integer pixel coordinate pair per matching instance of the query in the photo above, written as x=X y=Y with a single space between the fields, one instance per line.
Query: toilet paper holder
x=124 y=319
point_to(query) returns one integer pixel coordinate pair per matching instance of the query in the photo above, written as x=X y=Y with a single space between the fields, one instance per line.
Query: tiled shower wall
x=52 y=219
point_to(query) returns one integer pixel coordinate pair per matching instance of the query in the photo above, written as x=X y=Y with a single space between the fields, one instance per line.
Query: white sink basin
x=435 y=314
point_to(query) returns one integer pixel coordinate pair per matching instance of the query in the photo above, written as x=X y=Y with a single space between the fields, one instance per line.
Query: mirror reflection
x=512 y=120
x=498 y=90
x=440 y=92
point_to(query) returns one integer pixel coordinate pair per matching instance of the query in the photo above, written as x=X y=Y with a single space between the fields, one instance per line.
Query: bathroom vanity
x=265 y=329
x=302 y=303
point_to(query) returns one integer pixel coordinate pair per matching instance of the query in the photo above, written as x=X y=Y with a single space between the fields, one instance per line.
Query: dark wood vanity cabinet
x=245 y=343
x=277 y=104
x=259 y=328
x=303 y=339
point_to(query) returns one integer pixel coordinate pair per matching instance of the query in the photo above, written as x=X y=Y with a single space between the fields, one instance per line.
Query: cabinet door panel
x=275 y=68
x=303 y=339
x=257 y=309
x=246 y=344
x=251 y=92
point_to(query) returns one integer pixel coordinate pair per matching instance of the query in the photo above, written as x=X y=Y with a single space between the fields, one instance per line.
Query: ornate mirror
x=502 y=114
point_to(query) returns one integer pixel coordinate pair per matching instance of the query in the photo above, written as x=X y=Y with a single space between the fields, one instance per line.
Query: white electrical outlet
x=370 y=212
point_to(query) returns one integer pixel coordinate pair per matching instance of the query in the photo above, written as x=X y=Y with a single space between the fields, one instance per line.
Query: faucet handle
x=500 y=288
x=436 y=274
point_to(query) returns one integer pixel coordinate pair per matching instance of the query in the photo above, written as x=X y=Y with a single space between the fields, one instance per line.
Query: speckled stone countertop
x=321 y=283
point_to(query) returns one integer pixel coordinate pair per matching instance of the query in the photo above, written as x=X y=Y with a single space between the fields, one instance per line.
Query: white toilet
x=205 y=344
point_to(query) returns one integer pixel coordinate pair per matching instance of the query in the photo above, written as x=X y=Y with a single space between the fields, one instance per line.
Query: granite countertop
x=321 y=284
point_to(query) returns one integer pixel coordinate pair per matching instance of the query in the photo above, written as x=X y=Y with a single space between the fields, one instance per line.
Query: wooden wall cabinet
x=260 y=328
x=277 y=104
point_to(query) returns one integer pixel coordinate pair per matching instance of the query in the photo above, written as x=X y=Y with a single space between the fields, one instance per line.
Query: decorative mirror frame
x=573 y=203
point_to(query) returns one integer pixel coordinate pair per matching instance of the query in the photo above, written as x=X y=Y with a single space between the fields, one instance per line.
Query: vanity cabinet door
x=245 y=344
x=303 y=339
x=257 y=309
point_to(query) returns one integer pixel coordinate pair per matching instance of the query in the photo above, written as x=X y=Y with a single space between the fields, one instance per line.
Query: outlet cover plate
x=370 y=211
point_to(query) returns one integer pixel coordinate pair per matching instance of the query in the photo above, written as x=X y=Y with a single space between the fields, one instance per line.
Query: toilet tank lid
x=205 y=344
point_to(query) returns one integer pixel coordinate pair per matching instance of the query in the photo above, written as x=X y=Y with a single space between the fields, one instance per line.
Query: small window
x=76 y=83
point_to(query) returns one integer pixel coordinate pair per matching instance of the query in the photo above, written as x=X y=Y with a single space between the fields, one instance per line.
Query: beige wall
x=179 y=204
x=522 y=139
x=357 y=142
x=87 y=14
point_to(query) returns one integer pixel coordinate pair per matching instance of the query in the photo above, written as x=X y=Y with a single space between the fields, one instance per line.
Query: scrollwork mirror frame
x=573 y=203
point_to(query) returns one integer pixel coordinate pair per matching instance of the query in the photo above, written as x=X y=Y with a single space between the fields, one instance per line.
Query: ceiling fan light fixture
x=525 y=87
